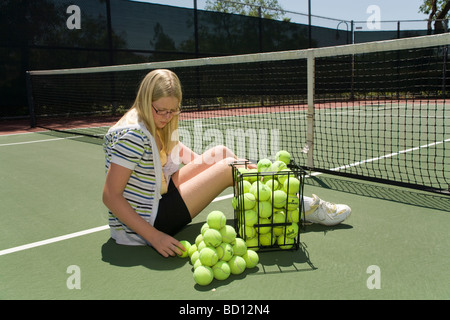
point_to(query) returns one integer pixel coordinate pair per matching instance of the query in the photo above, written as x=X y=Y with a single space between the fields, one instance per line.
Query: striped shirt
x=132 y=148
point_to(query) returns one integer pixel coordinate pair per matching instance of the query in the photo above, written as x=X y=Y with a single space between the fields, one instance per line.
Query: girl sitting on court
x=148 y=196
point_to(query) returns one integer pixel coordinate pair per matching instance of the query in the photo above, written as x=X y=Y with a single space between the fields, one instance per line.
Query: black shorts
x=173 y=214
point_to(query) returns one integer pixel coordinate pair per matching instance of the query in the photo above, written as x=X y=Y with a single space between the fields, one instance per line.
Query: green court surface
x=395 y=245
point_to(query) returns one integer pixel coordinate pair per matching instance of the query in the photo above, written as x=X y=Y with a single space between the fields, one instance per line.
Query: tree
x=437 y=11
x=268 y=9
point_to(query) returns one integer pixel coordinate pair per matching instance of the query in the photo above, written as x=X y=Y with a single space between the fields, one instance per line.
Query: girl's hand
x=166 y=245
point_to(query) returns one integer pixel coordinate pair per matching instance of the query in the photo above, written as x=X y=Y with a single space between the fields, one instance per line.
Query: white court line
x=37 y=141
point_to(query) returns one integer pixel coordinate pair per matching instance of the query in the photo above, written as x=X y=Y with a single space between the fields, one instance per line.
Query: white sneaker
x=326 y=213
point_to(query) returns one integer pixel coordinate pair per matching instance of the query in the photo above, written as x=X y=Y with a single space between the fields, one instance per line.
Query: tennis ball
x=293 y=215
x=235 y=203
x=216 y=219
x=291 y=185
x=284 y=174
x=264 y=209
x=197 y=264
x=237 y=264
x=192 y=249
x=221 y=270
x=260 y=191
x=246 y=185
x=272 y=184
x=252 y=175
x=264 y=165
x=194 y=257
x=187 y=246
x=279 y=217
x=292 y=230
x=251 y=259
x=278 y=231
x=292 y=202
x=208 y=256
x=267 y=239
x=201 y=245
x=203 y=275
x=249 y=201
x=284 y=156
x=250 y=217
x=198 y=239
x=228 y=234
x=278 y=166
x=285 y=243
x=225 y=251
x=205 y=227
x=279 y=198
x=212 y=237
x=247 y=232
x=252 y=243
x=264 y=226
x=239 y=247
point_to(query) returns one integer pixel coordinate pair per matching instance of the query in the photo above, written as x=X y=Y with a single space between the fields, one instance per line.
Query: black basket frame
x=239 y=216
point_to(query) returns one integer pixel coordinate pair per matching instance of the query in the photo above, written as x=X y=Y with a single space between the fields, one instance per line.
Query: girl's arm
x=116 y=180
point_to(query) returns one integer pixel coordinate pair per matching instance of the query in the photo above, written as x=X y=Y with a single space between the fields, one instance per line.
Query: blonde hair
x=158 y=84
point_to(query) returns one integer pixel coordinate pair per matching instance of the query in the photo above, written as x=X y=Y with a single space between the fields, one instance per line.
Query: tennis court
x=376 y=111
x=53 y=219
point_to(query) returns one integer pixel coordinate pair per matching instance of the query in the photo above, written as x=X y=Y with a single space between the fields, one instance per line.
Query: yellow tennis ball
x=247 y=232
x=264 y=209
x=285 y=243
x=221 y=270
x=264 y=226
x=197 y=264
x=291 y=185
x=192 y=249
x=284 y=156
x=237 y=264
x=260 y=191
x=203 y=275
x=292 y=230
x=252 y=244
x=279 y=217
x=267 y=239
x=194 y=257
x=264 y=165
x=212 y=237
x=239 y=247
x=208 y=256
x=251 y=259
x=251 y=175
x=228 y=234
x=250 y=217
x=284 y=174
x=198 y=239
x=249 y=201
x=272 y=184
x=278 y=231
x=187 y=246
x=225 y=251
x=278 y=165
x=292 y=202
x=279 y=198
x=293 y=215
x=216 y=219
x=246 y=185
x=205 y=227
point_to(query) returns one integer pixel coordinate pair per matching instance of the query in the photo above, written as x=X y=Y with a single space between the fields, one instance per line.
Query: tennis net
x=374 y=111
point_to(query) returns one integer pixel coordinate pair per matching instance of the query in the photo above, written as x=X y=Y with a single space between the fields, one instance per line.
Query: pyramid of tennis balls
x=271 y=199
x=217 y=252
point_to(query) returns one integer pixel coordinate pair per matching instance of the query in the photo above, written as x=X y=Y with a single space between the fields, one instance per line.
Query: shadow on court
x=383 y=192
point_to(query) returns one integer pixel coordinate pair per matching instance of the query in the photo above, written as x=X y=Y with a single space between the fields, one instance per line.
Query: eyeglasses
x=166 y=112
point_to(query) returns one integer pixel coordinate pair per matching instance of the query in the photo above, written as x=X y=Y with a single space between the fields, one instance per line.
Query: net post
x=30 y=100
x=310 y=113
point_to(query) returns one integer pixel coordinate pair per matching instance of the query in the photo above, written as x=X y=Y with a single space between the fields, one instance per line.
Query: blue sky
x=341 y=10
